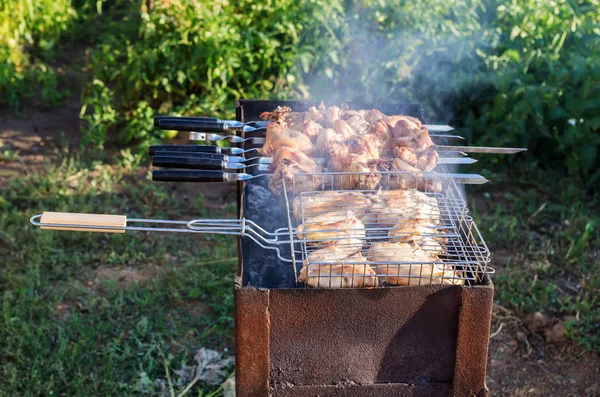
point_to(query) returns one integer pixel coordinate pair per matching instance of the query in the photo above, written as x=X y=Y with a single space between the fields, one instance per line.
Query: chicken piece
x=394 y=205
x=349 y=113
x=278 y=135
x=327 y=140
x=397 y=164
x=421 y=268
x=407 y=155
x=407 y=122
x=340 y=157
x=374 y=115
x=418 y=140
x=397 y=209
x=278 y=115
x=286 y=172
x=381 y=130
x=359 y=149
x=402 y=128
x=295 y=120
x=312 y=129
x=313 y=204
x=426 y=235
x=363 y=177
x=313 y=114
x=293 y=155
x=341 y=228
x=428 y=159
x=331 y=115
x=342 y=128
x=368 y=144
x=334 y=272
x=358 y=124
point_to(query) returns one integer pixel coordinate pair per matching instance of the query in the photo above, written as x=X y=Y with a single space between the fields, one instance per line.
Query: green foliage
x=197 y=57
x=525 y=73
x=30 y=31
x=545 y=79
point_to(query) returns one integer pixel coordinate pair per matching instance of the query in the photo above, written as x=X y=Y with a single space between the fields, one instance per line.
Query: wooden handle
x=72 y=218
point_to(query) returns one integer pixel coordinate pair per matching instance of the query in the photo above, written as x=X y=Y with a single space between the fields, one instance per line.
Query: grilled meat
x=328 y=268
x=314 y=204
x=341 y=228
x=288 y=167
x=425 y=234
x=312 y=129
x=395 y=205
x=279 y=135
x=278 y=115
x=296 y=156
x=421 y=268
x=354 y=141
x=363 y=177
x=331 y=115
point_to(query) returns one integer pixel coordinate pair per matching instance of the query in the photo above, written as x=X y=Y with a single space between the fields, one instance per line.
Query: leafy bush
x=525 y=73
x=544 y=76
x=29 y=34
x=197 y=57
x=29 y=30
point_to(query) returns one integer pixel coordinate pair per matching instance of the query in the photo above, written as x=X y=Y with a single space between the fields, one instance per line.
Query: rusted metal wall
x=415 y=341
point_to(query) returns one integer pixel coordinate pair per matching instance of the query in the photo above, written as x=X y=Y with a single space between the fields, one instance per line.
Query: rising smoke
x=392 y=52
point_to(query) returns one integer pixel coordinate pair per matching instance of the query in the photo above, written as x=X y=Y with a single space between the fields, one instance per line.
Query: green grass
x=69 y=324
x=544 y=230
x=72 y=321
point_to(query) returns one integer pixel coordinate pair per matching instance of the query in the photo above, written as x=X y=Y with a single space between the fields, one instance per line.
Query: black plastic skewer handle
x=200 y=155
x=188 y=125
x=188 y=176
x=185 y=148
x=158 y=119
x=192 y=163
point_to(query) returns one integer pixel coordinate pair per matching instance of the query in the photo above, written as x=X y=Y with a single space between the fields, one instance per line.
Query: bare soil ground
x=520 y=363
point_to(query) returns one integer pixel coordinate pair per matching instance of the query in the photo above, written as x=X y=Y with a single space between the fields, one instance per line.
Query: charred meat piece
x=428 y=159
x=278 y=115
x=418 y=140
x=327 y=140
x=333 y=267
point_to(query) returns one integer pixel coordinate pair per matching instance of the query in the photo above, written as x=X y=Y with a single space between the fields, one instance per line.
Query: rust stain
x=473 y=339
x=252 y=327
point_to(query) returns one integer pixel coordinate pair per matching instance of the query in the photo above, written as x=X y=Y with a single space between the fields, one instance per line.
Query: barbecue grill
x=427 y=339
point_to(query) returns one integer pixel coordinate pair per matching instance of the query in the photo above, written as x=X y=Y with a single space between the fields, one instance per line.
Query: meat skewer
x=220 y=176
x=235 y=124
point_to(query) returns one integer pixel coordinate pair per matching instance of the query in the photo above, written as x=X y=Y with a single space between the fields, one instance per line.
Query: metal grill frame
x=466 y=251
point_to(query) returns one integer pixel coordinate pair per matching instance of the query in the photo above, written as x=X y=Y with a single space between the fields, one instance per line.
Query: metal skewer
x=482 y=149
x=166 y=122
x=220 y=176
x=269 y=160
